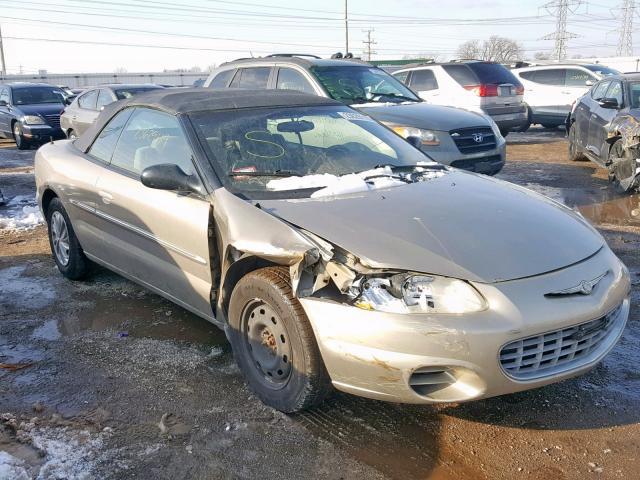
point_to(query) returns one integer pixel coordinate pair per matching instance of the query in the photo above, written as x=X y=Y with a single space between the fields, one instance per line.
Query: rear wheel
x=71 y=135
x=65 y=247
x=550 y=126
x=524 y=127
x=574 y=153
x=273 y=342
x=21 y=142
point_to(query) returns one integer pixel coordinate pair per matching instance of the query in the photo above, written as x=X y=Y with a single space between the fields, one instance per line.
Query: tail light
x=519 y=90
x=483 y=90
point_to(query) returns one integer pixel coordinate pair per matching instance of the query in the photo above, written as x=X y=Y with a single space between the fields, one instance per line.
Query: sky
x=67 y=36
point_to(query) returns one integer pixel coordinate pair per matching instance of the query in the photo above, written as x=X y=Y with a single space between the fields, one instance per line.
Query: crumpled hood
x=425 y=115
x=459 y=225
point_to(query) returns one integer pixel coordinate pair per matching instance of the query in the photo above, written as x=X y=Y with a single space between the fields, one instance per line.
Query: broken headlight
x=410 y=293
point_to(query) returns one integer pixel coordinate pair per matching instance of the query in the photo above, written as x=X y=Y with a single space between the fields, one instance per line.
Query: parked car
x=467 y=140
x=84 y=110
x=603 y=127
x=30 y=113
x=332 y=251
x=551 y=90
x=471 y=84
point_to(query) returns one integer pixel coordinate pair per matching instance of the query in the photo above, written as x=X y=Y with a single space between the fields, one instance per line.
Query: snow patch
x=21 y=213
x=12 y=468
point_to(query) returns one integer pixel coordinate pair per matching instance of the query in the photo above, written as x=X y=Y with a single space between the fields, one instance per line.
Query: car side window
x=4 y=95
x=615 y=91
x=88 y=100
x=290 y=79
x=222 y=79
x=152 y=138
x=402 y=76
x=598 y=92
x=552 y=76
x=461 y=74
x=577 y=78
x=255 y=77
x=423 y=80
x=103 y=146
x=104 y=98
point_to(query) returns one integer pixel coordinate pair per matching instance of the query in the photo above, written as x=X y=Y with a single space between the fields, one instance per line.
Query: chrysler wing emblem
x=585 y=287
x=477 y=137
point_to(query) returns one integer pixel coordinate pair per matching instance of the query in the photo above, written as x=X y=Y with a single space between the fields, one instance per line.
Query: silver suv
x=463 y=139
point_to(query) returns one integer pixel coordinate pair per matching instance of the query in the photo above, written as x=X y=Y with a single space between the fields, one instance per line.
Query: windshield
x=123 y=93
x=37 y=95
x=290 y=152
x=362 y=84
x=602 y=70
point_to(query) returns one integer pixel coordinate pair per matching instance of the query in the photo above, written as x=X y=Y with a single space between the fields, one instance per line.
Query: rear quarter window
x=221 y=80
x=492 y=73
x=256 y=77
x=461 y=74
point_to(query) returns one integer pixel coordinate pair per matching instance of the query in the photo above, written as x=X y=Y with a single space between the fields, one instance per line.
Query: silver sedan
x=331 y=251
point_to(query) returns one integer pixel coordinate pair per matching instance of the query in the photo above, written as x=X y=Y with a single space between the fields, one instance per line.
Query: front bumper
x=488 y=162
x=42 y=133
x=379 y=355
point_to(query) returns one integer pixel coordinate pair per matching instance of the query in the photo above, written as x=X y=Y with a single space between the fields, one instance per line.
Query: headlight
x=427 y=137
x=409 y=293
x=33 y=120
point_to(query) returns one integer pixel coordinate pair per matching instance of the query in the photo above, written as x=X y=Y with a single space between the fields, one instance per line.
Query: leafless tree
x=496 y=49
x=542 y=56
x=422 y=56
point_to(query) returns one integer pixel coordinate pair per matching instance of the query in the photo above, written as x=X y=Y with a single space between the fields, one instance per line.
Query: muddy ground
x=115 y=382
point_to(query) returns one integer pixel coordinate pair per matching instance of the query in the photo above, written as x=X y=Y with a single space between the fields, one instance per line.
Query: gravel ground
x=115 y=382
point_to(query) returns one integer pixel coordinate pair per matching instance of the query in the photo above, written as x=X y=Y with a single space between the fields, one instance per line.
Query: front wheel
x=65 y=247
x=21 y=142
x=274 y=344
x=622 y=167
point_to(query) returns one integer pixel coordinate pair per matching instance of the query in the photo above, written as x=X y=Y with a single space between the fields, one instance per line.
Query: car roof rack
x=291 y=55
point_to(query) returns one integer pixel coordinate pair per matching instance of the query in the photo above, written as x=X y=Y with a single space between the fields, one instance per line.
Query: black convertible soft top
x=188 y=100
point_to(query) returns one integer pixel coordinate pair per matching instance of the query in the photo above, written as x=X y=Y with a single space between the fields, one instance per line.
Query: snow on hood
x=20 y=213
x=331 y=185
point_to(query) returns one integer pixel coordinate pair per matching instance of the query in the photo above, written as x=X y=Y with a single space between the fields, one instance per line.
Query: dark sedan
x=30 y=113
x=604 y=127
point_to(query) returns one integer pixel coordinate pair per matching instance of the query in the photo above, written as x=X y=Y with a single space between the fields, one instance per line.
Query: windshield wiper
x=393 y=95
x=276 y=173
x=430 y=166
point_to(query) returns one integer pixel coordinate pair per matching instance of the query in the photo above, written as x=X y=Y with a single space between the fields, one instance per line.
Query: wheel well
x=236 y=271
x=47 y=196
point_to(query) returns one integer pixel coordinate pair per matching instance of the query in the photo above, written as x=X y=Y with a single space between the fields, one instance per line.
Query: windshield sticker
x=355 y=116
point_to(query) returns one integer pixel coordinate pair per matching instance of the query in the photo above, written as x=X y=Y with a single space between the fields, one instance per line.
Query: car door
x=86 y=113
x=424 y=82
x=159 y=238
x=5 y=114
x=600 y=118
x=543 y=92
x=584 y=109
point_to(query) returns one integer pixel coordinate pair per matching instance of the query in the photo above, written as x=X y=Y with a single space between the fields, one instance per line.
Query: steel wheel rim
x=72 y=136
x=267 y=343
x=60 y=238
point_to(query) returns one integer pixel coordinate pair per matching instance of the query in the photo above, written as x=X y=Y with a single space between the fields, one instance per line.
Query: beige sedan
x=330 y=250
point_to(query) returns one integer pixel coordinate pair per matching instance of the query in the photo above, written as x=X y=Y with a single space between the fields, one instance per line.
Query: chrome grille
x=549 y=353
x=466 y=139
x=53 y=120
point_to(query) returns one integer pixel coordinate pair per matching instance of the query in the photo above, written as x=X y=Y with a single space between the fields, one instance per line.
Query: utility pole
x=346 y=27
x=4 y=66
x=625 y=42
x=369 y=43
x=560 y=9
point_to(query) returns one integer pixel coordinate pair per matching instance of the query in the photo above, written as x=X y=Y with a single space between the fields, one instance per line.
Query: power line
x=560 y=9
x=625 y=42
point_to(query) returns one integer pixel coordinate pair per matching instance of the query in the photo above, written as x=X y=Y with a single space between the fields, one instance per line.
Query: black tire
x=21 y=142
x=504 y=133
x=574 y=153
x=71 y=134
x=524 y=127
x=274 y=344
x=622 y=172
x=76 y=265
x=550 y=126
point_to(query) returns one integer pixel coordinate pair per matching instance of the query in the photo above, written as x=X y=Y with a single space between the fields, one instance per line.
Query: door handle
x=106 y=197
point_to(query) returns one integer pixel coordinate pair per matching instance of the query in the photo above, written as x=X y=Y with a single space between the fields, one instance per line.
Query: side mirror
x=3 y=103
x=170 y=177
x=415 y=141
x=610 y=103
x=589 y=83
